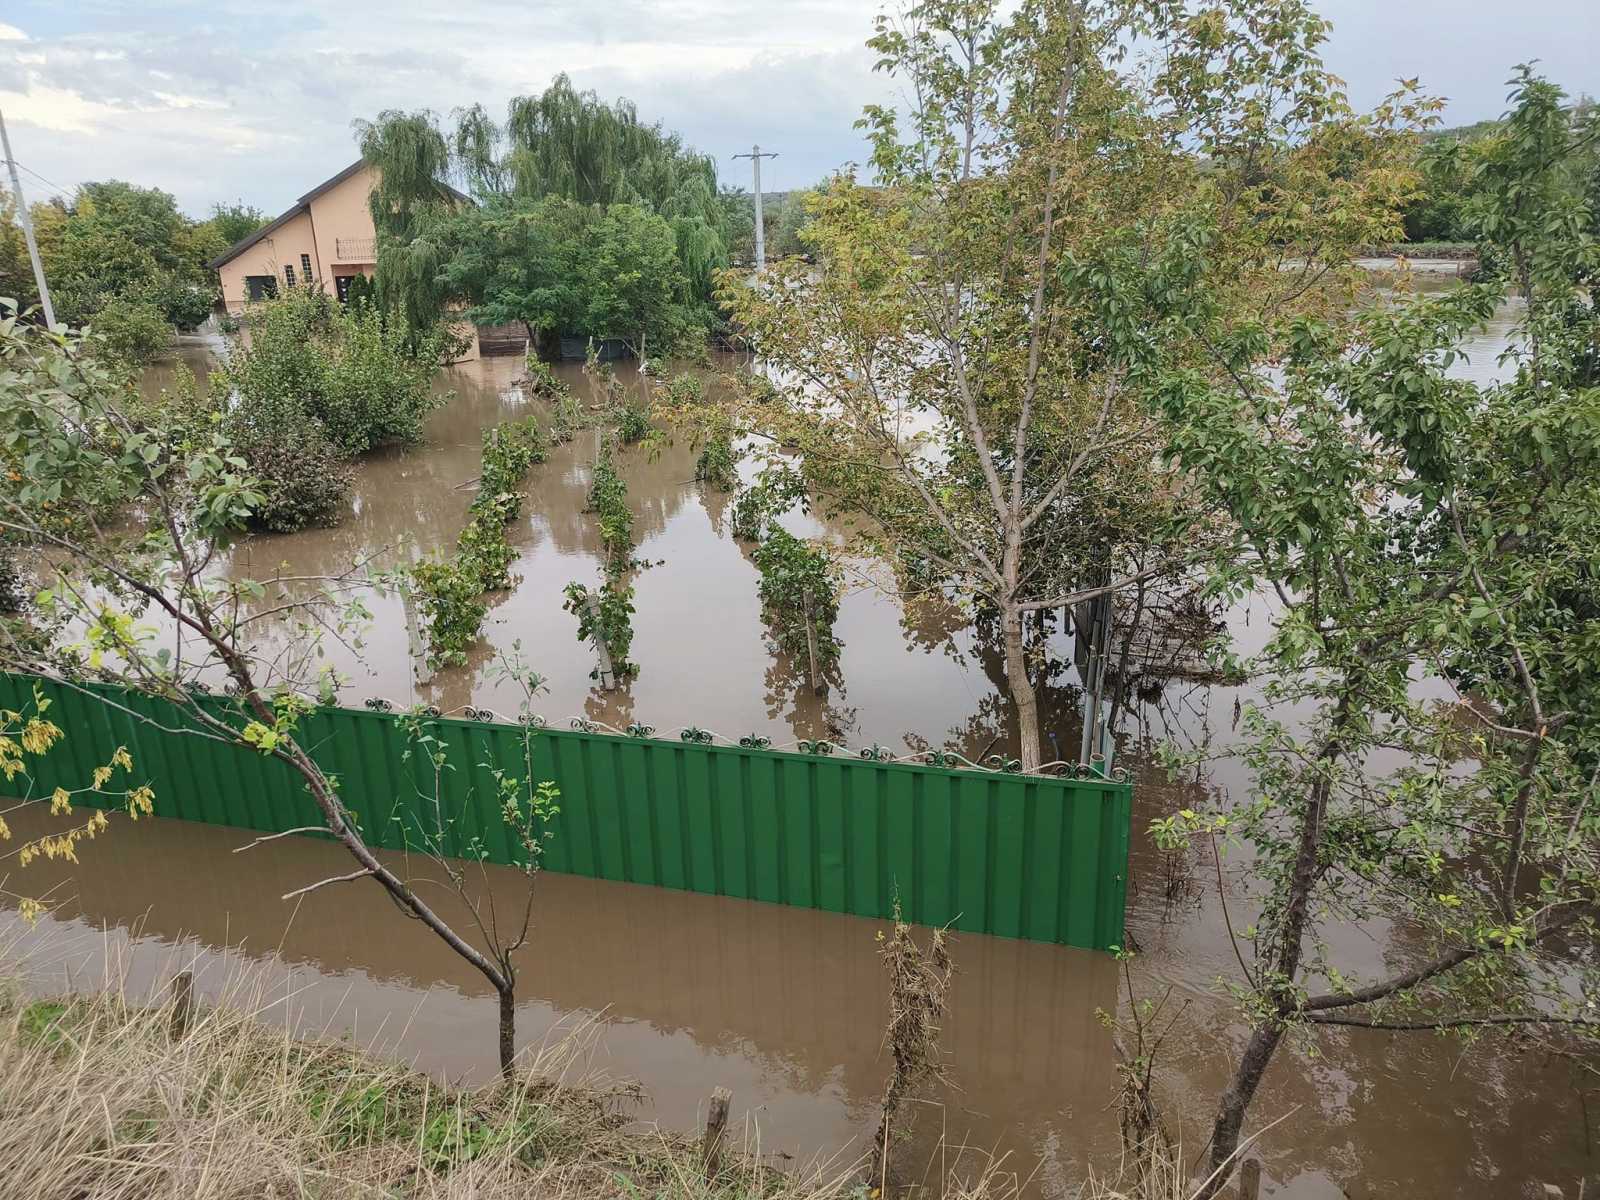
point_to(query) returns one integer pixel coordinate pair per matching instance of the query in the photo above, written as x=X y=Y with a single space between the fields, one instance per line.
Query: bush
x=509 y=450
x=132 y=331
x=717 y=462
x=379 y=387
x=611 y=617
x=608 y=499
x=448 y=595
x=633 y=424
x=790 y=571
x=185 y=305
x=303 y=477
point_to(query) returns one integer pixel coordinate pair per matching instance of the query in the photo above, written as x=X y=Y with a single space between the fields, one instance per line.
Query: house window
x=288 y=274
x=305 y=265
x=260 y=287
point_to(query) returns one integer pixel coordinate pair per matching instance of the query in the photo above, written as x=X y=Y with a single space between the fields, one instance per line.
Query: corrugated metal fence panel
x=1016 y=855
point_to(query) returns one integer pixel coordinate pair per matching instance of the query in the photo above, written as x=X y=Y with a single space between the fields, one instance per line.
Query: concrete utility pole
x=755 y=156
x=27 y=229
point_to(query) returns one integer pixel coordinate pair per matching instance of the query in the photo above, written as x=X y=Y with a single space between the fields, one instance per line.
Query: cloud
x=218 y=99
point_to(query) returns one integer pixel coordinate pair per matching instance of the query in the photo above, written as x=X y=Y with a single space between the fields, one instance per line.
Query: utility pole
x=33 y=246
x=755 y=156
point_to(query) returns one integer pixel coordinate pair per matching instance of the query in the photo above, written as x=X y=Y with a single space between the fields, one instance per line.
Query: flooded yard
x=785 y=1007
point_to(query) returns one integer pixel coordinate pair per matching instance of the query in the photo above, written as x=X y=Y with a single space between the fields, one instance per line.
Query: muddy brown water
x=784 y=1006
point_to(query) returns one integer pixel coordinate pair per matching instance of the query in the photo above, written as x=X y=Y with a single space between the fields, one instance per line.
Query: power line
x=63 y=191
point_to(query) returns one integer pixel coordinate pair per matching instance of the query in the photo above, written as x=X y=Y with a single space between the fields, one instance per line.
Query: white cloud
x=10 y=33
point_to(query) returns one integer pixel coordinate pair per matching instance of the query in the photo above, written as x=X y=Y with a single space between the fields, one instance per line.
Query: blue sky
x=230 y=99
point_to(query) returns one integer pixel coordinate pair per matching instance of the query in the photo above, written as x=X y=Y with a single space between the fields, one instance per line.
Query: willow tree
x=562 y=143
x=411 y=202
x=967 y=371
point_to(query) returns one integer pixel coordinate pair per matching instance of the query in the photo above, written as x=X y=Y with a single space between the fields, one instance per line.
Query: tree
x=561 y=145
x=971 y=364
x=1420 y=530
x=235 y=222
x=179 y=495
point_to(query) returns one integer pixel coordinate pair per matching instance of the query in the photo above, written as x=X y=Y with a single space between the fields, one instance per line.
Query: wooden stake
x=608 y=676
x=1250 y=1179
x=811 y=646
x=182 y=1005
x=716 y=1123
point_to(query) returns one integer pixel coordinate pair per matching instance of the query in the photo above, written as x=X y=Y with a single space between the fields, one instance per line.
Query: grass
x=97 y=1103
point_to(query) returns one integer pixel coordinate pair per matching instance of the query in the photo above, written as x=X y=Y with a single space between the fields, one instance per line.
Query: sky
x=224 y=100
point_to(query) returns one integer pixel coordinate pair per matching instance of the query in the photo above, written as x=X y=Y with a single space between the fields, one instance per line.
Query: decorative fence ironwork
x=987 y=851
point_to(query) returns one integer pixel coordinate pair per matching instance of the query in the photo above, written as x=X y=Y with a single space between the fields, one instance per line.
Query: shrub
x=760 y=504
x=610 y=617
x=509 y=450
x=379 y=387
x=791 y=570
x=716 y=466
x=132 y=331
x=448 y=595
x=304 y=479
x=608 y=500
x=633 y=424
x=482 y=549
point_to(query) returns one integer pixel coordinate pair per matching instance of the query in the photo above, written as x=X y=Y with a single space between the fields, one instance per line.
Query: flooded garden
x=685 y=993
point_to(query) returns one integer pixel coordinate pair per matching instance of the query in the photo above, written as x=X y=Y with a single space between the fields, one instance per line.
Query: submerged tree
x=968 y=370
x=1424 y=535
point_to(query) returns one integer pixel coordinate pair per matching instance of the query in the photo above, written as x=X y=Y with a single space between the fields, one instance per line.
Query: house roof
x=300 y=206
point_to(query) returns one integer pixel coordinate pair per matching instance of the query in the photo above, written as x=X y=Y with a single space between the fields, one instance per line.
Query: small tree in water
x=128 y=511
x=961 y=369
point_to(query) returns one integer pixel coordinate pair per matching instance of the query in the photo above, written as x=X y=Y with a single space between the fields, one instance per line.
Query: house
x=326 y=240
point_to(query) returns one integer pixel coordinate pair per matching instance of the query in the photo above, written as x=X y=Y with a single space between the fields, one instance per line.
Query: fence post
x=608 y=676
x=716 y=1123
x=811 y=646
x=1250 y=1179
x=182 y=1005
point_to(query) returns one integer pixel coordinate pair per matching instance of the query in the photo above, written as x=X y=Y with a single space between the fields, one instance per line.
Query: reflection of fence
x=1018 y=855
x=356 y=249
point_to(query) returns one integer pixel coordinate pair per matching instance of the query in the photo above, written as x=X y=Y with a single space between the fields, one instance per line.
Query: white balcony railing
x=356 y=249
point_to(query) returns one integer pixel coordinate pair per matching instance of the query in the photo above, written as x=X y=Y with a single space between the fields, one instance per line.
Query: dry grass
x=96 y=1103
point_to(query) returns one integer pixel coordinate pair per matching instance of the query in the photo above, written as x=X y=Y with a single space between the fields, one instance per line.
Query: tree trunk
x=508 y=1030
x=1022 y=694
x=1235 y=1102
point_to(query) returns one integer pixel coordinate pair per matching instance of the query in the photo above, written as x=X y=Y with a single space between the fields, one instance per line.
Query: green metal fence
x=1027 y=856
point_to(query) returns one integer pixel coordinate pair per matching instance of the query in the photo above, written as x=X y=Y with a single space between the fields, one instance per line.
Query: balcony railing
x=357 y=249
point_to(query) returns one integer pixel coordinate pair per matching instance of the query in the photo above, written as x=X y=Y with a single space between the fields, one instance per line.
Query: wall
x=267 y=257
x=1039 y=857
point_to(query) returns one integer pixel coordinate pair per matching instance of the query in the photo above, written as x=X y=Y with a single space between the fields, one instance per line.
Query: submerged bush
x=609 y=617
x=131 y=331
x=793 y=573
x=608 y=500
x=449 y=595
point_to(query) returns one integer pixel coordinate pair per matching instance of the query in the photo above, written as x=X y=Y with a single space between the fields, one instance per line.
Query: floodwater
x=786 y=1007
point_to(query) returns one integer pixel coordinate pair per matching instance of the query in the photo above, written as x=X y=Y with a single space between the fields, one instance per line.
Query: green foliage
x=316 y=385
x=235 y=222
x=360 y=292
x=614 y=605
x=717 y=466
x=648 y=207
x=450 y=595
x=510 y=450
x=77 y=446
x=1427 y=536
x=608 y=500
x=633 y=424
x=794 y=574
x=775 y=492
x=131 y=331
